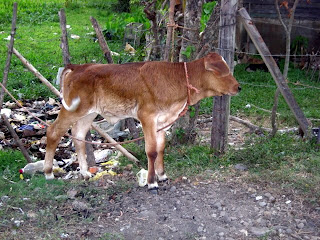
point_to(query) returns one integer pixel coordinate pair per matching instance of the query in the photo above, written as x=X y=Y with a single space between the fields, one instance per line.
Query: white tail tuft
x=74 y=104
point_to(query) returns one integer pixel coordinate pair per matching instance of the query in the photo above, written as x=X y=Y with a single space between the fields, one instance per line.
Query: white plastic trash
x=142 y=177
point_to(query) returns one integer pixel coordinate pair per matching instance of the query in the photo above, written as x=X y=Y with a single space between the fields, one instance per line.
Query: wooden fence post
x=64 y=37
x=274 y=70
x=221 y=107
x=167 y=49
x=10 y=47
x=4 y=83
x=66 y=60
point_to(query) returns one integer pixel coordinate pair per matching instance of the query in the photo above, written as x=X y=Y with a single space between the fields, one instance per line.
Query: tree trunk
x=192 y=16
x=184 y=128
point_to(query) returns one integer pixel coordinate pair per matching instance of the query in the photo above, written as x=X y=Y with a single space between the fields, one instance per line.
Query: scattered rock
x=72 y=193
x=80 y=206
x=173 y=189
x=259 y=232
x=240 y=167
x=300 y=225
x=262 y=204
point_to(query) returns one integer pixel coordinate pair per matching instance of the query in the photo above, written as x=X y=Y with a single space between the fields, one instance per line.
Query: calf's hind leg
x=79 y=131
x=54 y=134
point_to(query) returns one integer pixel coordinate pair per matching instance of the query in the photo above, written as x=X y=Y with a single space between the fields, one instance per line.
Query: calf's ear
x=214 y=62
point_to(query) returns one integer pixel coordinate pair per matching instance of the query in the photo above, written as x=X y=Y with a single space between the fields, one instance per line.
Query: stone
x=300 y=225
x=240 y=167
x=72 y=193
x=259 y=232
x=80 y=206
x=262 y=204
x=173 y=189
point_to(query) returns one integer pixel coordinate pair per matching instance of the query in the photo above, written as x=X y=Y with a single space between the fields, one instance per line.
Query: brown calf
x=155 y=93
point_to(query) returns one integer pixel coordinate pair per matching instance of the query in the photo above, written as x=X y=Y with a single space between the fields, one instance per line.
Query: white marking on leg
x=85 y=174
x=153 y=185
x=49 y=176
x=163 y=177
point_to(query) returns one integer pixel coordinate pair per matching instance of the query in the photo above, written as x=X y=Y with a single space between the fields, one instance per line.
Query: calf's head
x=218 y=76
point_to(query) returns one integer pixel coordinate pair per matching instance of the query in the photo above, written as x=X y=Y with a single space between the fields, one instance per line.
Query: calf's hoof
x=153 y=188
x=153 y=191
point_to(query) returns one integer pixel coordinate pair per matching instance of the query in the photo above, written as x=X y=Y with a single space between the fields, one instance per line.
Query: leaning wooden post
x=10 y=47
x=102 y=42
x=17 y=139
x=107 y=55
x=274 y=70
x=221 y=107
x=36 y=72
x=4 y=83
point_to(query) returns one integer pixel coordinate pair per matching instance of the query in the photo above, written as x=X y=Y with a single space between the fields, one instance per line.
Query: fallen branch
x=16 y=138
x=251 y=126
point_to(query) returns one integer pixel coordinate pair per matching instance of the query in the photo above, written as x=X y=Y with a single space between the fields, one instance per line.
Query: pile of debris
x=32 y=132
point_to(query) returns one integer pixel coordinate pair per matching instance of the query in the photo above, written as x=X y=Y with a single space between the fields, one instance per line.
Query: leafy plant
x=207 y=9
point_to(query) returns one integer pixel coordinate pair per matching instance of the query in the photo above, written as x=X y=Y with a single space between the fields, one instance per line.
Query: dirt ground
x=219 y=205
x=213 y=206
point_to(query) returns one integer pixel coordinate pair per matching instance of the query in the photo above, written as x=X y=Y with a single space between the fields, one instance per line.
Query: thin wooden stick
x=118 y=146
x=16 y=138
x=10 y=47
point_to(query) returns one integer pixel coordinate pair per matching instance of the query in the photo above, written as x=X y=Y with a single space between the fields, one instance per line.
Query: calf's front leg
x=159 y=164
x=150 y=135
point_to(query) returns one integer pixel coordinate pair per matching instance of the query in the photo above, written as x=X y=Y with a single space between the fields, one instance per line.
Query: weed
x=10 y=163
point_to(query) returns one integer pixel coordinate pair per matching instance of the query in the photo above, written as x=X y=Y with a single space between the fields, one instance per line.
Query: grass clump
x=285 y=159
